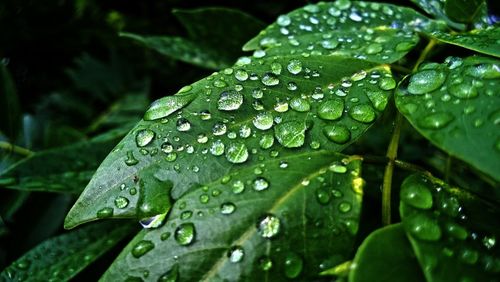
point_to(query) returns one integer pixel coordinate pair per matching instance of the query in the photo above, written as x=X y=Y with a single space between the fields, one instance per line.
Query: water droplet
x=183 y=125
x=294 y=66
x=404 y=46
x=283 y=20
x=227 y=208
x=290 y=134
x=105 y=213
x=484 y=71
x=142 y=247
x=163 y=107
x=276 y=68
x=457 y=231
x=337 y=133
x=241 y=75
x=300 y=105
x=423 y=227
x=229 y=100
x=293 y=265
x=170 y=276
x=281 y=107
x=436 y=120
x=345 y=207
x=363 y=113
x=237 y=153
x=331 y=109
x=219 y=129
x=378 y=99
x=205 y=115
x=260 y=184
x=450 y=206
x=469 y=256
x=323 y=196
x=263 y=120
x=329 y=44
x=270 y=79
x=463 y=90
x=416 y=193
x=266 y=141
x=292 y=86
x=337 y=168
x=121 y=202
x=238 y=187
x=265 y=263
x=185 y=234
x=426 y=81
x=236 y=254
x=268 y=226
x=374 y=48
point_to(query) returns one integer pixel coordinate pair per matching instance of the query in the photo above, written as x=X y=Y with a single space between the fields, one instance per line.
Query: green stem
x=14 y=148
x=425 y=53
x=397 y=163
x=401 y=69
x=392 y=153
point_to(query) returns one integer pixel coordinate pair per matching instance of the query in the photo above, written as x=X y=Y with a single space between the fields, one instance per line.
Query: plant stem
x=425 y=53
x=14 y=148
x=401 y=69
x=392 y=153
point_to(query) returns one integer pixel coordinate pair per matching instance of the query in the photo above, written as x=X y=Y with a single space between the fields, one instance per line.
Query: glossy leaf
x=436 y=9
x=452 y=232
x=486 y=41
x=376 y=32
x=232 y=120
x=206 y=36
x=10 y=112
x=386 y=255
x=272 y=220
x=62 y=257
x=457 y=107
x=463 y=11
x=42 y=171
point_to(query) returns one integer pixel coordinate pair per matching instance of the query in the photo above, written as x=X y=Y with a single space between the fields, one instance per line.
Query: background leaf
x=62 y=257
x=252 y=226
x=452 y=232
x=463 y=11
x=386 y=255
x=231 y=120
x=381 y=33
x=456 y=106
x=10 y=111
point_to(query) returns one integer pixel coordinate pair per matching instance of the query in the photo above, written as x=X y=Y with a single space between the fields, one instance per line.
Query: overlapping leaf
x=376 y=32
x=269 y=221
x=452 y=232
x=62 y=257
x=231 y=120
x=464 y=11
x=212 y=44
x=10 y=112
x=386 y=255
x=457 y=107
x=452 y=12
x=486 y=41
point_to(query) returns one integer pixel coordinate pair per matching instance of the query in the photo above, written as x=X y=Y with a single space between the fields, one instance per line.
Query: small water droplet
x=227 y=208
x=141 y=248
x=363 y=113
x=260 y=184
x=105 y=213
x=423 y=227
x=270 y=79
x=265 y=263
x=416 y=193
x=266 y=141
x=263 y=120
x=121 y=202
x=238 y=187
x=436 y=120
x=219 y=129
x=236 y=254
x=164 y=107
x=183 y=125
x=463 y=90
x=337 y=133
x=241 y=75
x=185 y=234
x=331 y=109
x=268 y=226
x=300 y=105
x=294 y=66
x=293 y=265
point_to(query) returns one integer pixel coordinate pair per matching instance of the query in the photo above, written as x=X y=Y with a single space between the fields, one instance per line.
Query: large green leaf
x=10 y=112
x=452 y=232
x=456 y=106
x=206 y=36
x=386 y=255
x=269 y=221
x=64 y=169
x=464 y=11
x=486 y=41
x=231 y=120
x=376 y=32
x=62 y=257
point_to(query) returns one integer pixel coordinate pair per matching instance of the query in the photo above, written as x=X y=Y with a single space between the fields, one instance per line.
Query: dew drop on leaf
x=416 y=194
x=237 y=152
x=293 y=265
x=229 y=100
x=121 y=202
x=363 y=113
x=265 y=263
x=290 y=134
x=105 y=213
x=300 y=105
x=294 y=66
x=270 y=79
x=426 y=81
x=424 y=228
x=183 y=125
x=236 y=254
x=260 y=184
x=263 y=121
x=268 y=226
x=436 y=120
x=185 y=234
x=217 y=148
x=141 y=248
x=331 y=109
x=227 y=208
x=144 y=137
x=337 y=133
x=163 y=107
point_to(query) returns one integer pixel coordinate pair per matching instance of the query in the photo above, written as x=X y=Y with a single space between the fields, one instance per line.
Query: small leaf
x=486 y=41
x=272 y=220
x=61 y=258
x=386 y=255
x=233 y=120
x=452 y=232
x=42 y=171
x=456 y=106
x=10 y=112
x=381 y=33
x=463 y=11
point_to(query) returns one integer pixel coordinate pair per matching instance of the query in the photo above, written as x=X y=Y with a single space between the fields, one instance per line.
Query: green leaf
x=486 y=41
x=463 y=11
x=3 y=228
x=62 y=257
x=457 y=107
x=10 y=112
x=206 y=37
x=452 y=232
x=386 y=255
x=232 y=120
x=43 y=171
x=376 y=32
x=269 y=221
x=436 y=9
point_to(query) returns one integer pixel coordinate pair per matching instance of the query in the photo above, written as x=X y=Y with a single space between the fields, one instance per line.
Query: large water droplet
x=268 y=226
x=331 y=109
x=229 y=100
x=241 y=75
x=463 y=90
x=121 y=202
x=185 y=234
x=227 y=208
x=217 y=148
x=183 y=125
x=426 y=81
x=144 y=137
x=270 y=79
x=436 y=120
x=142 y=247
x=300 y=105
x=237 y=152
x=482 y=71
x=165 y=106
x=293 y=265
x=290 y=134
x=263 y=120
x=416 y=194
x=337 y=133
x=363 y=113
x=294 y=66
x=378 y=98
x=423 y=227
